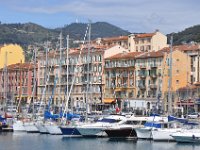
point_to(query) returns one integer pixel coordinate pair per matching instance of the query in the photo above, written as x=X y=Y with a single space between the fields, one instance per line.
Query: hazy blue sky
x=132 y=15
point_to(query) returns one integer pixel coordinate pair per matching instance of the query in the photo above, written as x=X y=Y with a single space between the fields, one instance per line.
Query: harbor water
x=24 y=141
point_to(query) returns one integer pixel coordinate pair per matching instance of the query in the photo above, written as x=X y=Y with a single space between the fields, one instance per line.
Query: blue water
x=19 y=141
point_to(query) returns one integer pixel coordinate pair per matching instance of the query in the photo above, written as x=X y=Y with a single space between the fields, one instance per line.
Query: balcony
x=113 y=75
x=153 y=74
x=142 y=86
x=153 y=86
x=142 y=66
x=142 y=75
x=153 y=65
x=51 y=73
x=125 y=75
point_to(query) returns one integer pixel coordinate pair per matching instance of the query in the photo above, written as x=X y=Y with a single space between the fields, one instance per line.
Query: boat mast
x=34 y=89
x=67 y=92
x=5 y=83
x=60 y=70
x=170 y=79
x=88 y=65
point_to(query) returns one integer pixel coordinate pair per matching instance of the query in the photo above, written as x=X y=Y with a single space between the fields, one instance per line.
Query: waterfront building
x=152 y=75
x=17 y=83
x=77 y=75
x=119 y=77
x=112 y=41
x=11 y=54
x=147 y=42
x=141 y=78
x=188 y=96
x=192 y=50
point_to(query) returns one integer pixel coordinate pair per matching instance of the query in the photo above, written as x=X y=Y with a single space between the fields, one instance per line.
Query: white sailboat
x=52 y=126
x=163 y=133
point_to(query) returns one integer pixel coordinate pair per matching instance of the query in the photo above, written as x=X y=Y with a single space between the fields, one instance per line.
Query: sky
x=133 y=15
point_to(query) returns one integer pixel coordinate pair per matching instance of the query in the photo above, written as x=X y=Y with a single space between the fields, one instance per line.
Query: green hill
x=30 y=33
x=191 y=34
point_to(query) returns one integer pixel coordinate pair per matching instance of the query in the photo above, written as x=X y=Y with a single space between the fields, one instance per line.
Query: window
x=142 y=41
x=95 y=68
x=100 y=68
x=136 y=48
x=177 y=81
x=148 y=47
x=142 y=48
x=99 y=58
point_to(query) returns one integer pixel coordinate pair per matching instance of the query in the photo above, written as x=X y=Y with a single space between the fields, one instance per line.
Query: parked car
x=194 y=115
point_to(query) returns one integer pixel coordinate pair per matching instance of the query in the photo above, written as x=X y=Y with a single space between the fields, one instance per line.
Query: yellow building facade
x=11 y=54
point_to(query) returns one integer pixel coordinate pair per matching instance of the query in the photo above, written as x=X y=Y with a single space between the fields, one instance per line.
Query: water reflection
x=24 y=141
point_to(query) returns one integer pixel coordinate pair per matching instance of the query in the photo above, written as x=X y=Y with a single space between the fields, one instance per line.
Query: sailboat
x=51 y=125
x=68 y=127
x=164 y=133
x=30 y=126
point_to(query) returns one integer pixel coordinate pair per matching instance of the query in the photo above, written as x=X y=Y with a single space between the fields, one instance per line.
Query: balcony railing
x=153 y=86
x=142 y=74
x=142 y=86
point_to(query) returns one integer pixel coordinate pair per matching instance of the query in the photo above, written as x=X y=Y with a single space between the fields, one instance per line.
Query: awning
x=109 y=100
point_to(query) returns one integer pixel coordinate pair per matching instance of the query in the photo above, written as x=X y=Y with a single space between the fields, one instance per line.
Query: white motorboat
x=97 y=129
x=187 y=136
x=127 y=129
x=146 y=131
x=172 y=126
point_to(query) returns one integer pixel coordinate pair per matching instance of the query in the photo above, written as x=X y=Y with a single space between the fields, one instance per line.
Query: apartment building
x=141 y=78
x=147 y=42
x=11 y=54
x=17 y=82
x=153 y=74
x=85 y=62
x=112 y=41
x=192 y=50
x=119 y=77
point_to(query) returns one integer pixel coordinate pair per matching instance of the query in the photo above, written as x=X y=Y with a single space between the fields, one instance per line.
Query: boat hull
x=68 y=131
x=31 y=128
x=53 y=129
x=163 y=134
x=92 y=132
x=183 y=137
x=121 y=132
x=144 y=133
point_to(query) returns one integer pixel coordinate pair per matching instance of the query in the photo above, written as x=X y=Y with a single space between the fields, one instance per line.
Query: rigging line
x=52 y=62
x=79 y=61
x=47 y=80
x=30 y=65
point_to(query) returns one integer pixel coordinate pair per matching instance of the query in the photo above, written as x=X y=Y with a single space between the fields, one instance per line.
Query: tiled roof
x=21 y=66
x=150 y=55
x=124 y=55
x=119 y=38
x=185 y=47
x=144 y=35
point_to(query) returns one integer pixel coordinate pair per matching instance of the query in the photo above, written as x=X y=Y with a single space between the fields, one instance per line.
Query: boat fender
x=193 y=136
